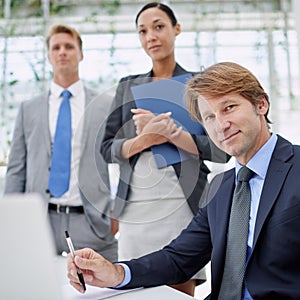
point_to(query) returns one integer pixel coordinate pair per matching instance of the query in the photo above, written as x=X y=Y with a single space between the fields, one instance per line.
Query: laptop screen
x=27 y=268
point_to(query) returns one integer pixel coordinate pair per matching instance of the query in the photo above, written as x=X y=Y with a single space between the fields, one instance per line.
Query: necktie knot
x=244 y=174
x=66 y=94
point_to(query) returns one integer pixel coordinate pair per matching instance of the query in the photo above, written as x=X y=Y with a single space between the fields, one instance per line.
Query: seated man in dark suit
x=264 y=261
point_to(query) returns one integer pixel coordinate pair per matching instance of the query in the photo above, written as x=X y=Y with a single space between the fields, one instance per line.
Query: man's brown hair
x=221 y=79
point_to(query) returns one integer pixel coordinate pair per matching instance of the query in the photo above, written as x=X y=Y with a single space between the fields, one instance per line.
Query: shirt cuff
x=127 y=276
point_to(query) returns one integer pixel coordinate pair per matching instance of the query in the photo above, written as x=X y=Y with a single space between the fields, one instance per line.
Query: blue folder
x=163 y=96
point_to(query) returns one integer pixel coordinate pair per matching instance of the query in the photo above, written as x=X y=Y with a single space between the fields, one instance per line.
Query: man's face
x=64 y=54
x=234 y=124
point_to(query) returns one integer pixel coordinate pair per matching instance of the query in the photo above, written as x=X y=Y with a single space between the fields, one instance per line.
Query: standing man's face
x=64 y=54
x=235 y=125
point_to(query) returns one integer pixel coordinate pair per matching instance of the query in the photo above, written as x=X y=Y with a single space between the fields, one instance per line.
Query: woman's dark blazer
x=192 y=173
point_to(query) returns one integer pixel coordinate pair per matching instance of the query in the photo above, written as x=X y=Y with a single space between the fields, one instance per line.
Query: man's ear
x=263 y=106
x=81 y=56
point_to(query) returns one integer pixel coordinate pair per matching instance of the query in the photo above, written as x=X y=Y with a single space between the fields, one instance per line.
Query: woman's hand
x=141 y=117
x=153 y=130
x=159 y=129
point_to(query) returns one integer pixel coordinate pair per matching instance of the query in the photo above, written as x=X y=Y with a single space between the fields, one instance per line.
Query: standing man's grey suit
x=85 y=209
x=30 y=159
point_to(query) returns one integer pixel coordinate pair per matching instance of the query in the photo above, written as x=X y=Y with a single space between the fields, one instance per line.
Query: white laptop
x=27 y=267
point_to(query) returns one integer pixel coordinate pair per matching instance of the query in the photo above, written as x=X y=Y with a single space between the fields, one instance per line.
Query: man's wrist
x=124 y=273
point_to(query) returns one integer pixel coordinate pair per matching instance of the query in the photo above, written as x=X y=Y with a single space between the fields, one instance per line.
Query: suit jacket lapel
x=274 y=180
x=222 y=188
x=89 y=95
x=226 y=193
x=44 y=115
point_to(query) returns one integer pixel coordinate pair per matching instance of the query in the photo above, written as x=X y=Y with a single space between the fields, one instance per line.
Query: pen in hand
x=71 y=247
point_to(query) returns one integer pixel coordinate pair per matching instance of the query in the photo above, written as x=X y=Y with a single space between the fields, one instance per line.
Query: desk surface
x=93 y=293
x=158 y=293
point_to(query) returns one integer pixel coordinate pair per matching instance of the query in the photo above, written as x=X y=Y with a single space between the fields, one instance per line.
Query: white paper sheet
x=92 y=293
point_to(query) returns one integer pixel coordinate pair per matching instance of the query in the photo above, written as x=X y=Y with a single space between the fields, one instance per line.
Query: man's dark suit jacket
x=192 y=173
x=273 y=269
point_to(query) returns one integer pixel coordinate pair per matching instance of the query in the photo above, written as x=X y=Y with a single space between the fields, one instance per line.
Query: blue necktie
x=61 y=153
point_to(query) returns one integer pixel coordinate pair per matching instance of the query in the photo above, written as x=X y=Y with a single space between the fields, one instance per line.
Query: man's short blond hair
x=61 y=28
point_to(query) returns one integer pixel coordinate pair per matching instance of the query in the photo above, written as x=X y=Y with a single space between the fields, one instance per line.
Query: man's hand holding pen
x=96 y=270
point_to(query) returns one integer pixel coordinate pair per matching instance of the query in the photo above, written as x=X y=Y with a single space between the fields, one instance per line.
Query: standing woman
x=154 y=205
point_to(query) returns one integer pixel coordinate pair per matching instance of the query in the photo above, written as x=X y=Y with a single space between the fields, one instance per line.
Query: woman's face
x=157 y=34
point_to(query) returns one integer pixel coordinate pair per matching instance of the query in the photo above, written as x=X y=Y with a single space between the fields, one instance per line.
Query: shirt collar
x=74 y=88
x=259 y=163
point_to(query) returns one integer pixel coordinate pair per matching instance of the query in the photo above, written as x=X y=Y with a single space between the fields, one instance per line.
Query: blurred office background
x=259 y=34
x=262 y=35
